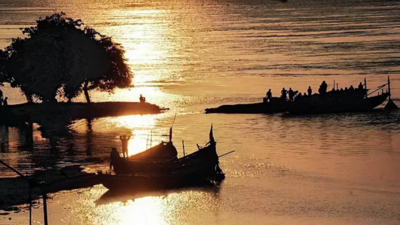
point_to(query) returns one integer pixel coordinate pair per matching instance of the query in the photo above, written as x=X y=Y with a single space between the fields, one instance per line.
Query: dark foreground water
x=190 y=55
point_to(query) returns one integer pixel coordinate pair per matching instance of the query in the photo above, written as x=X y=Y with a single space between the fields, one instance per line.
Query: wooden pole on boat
x=170 y=134
x=365 y=83
x=226 y=154
x=183 y=146
x=334 y=84
x=389 y=89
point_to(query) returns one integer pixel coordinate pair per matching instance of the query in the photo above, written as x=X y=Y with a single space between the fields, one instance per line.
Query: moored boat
x=335 y=101
x=198 y=168
x=204 y=155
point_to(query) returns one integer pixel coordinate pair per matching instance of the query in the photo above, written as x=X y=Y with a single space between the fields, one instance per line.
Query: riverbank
x=14 y=191
x=37 y=112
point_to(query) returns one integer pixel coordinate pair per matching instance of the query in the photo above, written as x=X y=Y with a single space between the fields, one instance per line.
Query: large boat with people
x=350 y=99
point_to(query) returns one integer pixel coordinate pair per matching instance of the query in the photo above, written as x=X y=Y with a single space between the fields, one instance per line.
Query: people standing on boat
x=283 y=92
x=309 y=91
x=269 y=95
x=323 y=87
x=351 y=88
x=360 y=86
x=125 y=140
x=291 y=94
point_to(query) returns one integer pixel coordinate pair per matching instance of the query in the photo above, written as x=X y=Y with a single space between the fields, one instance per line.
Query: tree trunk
x=85 y=90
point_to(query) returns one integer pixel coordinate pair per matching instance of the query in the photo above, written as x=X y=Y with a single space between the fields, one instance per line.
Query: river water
x=191 y=55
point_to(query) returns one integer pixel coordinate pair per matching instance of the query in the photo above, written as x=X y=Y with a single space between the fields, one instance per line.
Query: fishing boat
x=335 y=101
x=204 y=155
x=198 y=168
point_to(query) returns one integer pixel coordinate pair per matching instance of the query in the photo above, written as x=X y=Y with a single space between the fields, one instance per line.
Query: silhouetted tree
x=62 y=57
x=2 y=66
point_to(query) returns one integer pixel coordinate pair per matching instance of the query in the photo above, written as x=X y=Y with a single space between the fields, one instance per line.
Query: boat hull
x=318 y=107
x=206 y=155
x=276 y=106
x=189 y=175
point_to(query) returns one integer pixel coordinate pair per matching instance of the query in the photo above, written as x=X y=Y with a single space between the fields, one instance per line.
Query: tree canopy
x=60 y=56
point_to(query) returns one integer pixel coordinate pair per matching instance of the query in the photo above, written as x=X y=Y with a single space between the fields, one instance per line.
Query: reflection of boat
x=277 y=105
x=205 y=155
x=134 y=193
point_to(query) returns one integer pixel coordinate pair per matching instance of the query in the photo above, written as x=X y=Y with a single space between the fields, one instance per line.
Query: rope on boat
x=226 y=154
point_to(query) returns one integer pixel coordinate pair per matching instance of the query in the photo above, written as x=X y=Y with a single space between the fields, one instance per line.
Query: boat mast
x=389 y=89
x=183 y=146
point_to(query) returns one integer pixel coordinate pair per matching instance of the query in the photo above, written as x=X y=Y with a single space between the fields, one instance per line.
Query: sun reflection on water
x=146 y=210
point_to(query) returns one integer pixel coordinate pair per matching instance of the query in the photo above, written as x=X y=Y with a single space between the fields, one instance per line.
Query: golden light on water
x=147 y=210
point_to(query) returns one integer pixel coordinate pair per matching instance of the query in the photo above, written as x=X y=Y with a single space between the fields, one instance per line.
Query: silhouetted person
x=269 y=95
x=125 y=140
x=142 y=99
x=114 y=156
x=345 y=89
x=323 y=87
x=291 y=94
x=283 y=92
x=309 y=90
x=351 y=88
x=360 y=86
x=5 y=102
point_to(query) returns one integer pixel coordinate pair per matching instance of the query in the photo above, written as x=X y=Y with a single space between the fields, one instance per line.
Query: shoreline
x=19 y=114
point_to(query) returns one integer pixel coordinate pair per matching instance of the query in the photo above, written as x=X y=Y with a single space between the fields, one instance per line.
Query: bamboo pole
x=30 y=203
x=183 y=145
x=45 y=207
x=390 y=93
